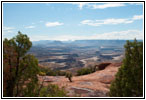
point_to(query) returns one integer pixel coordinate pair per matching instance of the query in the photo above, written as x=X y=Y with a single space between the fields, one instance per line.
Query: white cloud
x=106 y=5
x=102 y=5
x=138 y=3
x=137 y=17
x=52 y=24
x=80 y=4
x=106 y=21
x=124 y=35
x=8 y=29
x=128 y=34
x=6 y=32
x=30 y=27
x=38 y=37
x=97 y=5
x=112 y=21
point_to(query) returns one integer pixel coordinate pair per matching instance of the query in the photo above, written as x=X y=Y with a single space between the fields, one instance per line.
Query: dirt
x=92 y=85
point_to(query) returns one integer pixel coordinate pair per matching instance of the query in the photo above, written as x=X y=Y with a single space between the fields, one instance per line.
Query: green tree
x=129 y=78
x=69 y=76
x=19 y=69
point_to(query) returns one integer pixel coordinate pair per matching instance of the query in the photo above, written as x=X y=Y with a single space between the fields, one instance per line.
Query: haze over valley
x=71 y=55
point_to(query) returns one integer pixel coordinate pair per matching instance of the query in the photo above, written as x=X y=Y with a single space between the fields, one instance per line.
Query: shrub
x=85 y=71
x=52 y=91
x=42 y=74
x=50 y=72
x=69 y=76
x=129 y=78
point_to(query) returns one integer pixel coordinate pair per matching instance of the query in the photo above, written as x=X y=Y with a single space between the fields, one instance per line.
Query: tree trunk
x=17 y=69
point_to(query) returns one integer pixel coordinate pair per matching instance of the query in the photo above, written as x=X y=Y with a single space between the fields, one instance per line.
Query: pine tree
x=129 y=79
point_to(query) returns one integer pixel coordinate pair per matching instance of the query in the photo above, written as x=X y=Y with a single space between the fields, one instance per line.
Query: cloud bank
x=102 y=5
x=112 y=21
x=121 y=35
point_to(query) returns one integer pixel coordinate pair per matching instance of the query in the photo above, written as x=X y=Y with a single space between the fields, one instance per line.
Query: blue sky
x=73 y=21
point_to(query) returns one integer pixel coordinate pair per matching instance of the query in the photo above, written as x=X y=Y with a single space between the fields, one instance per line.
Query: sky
x=74 y=20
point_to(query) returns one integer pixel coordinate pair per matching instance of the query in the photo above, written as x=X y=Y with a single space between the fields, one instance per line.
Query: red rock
x=102 y=66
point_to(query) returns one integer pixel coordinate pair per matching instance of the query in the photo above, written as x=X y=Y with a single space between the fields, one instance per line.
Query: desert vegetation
x=129 y=78
x=47 y=71
x=21 y=73
x=85 y=71
x=69 y=76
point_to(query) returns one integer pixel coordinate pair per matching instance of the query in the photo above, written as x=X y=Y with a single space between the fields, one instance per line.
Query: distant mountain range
x=81 y=43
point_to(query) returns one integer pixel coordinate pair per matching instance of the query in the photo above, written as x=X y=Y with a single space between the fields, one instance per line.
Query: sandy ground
x=92 y=85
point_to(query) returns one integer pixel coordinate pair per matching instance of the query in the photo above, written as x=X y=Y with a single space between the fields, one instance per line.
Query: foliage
x=69 y=76
x=85 y=71
x=52 y=91
x=42 y=73
x=61 y=73
x=50 y=72
x=129 y=79
x=19 y=70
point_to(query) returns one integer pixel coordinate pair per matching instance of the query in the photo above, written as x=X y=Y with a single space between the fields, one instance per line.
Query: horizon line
x=76 y=39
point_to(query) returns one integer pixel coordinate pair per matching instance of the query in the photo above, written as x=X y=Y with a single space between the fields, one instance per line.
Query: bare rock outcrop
x=92 y=85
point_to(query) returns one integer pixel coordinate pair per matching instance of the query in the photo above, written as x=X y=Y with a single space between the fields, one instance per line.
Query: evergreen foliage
x=85 y=71
x=129 y=79
x=20 y=71
x=69 y=76
x=52 y=91
x=49 y=72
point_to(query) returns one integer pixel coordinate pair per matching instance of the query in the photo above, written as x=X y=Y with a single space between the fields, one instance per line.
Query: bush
x=85 y=71
x=50 y=72
x=42 y=74
x=61 y=73
x=69 y=76
x=129 y=78
x=52 y=91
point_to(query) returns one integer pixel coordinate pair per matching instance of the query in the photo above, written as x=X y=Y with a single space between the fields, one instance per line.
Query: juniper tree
x=129 y=78
x=19 y=69
x=69 y=76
